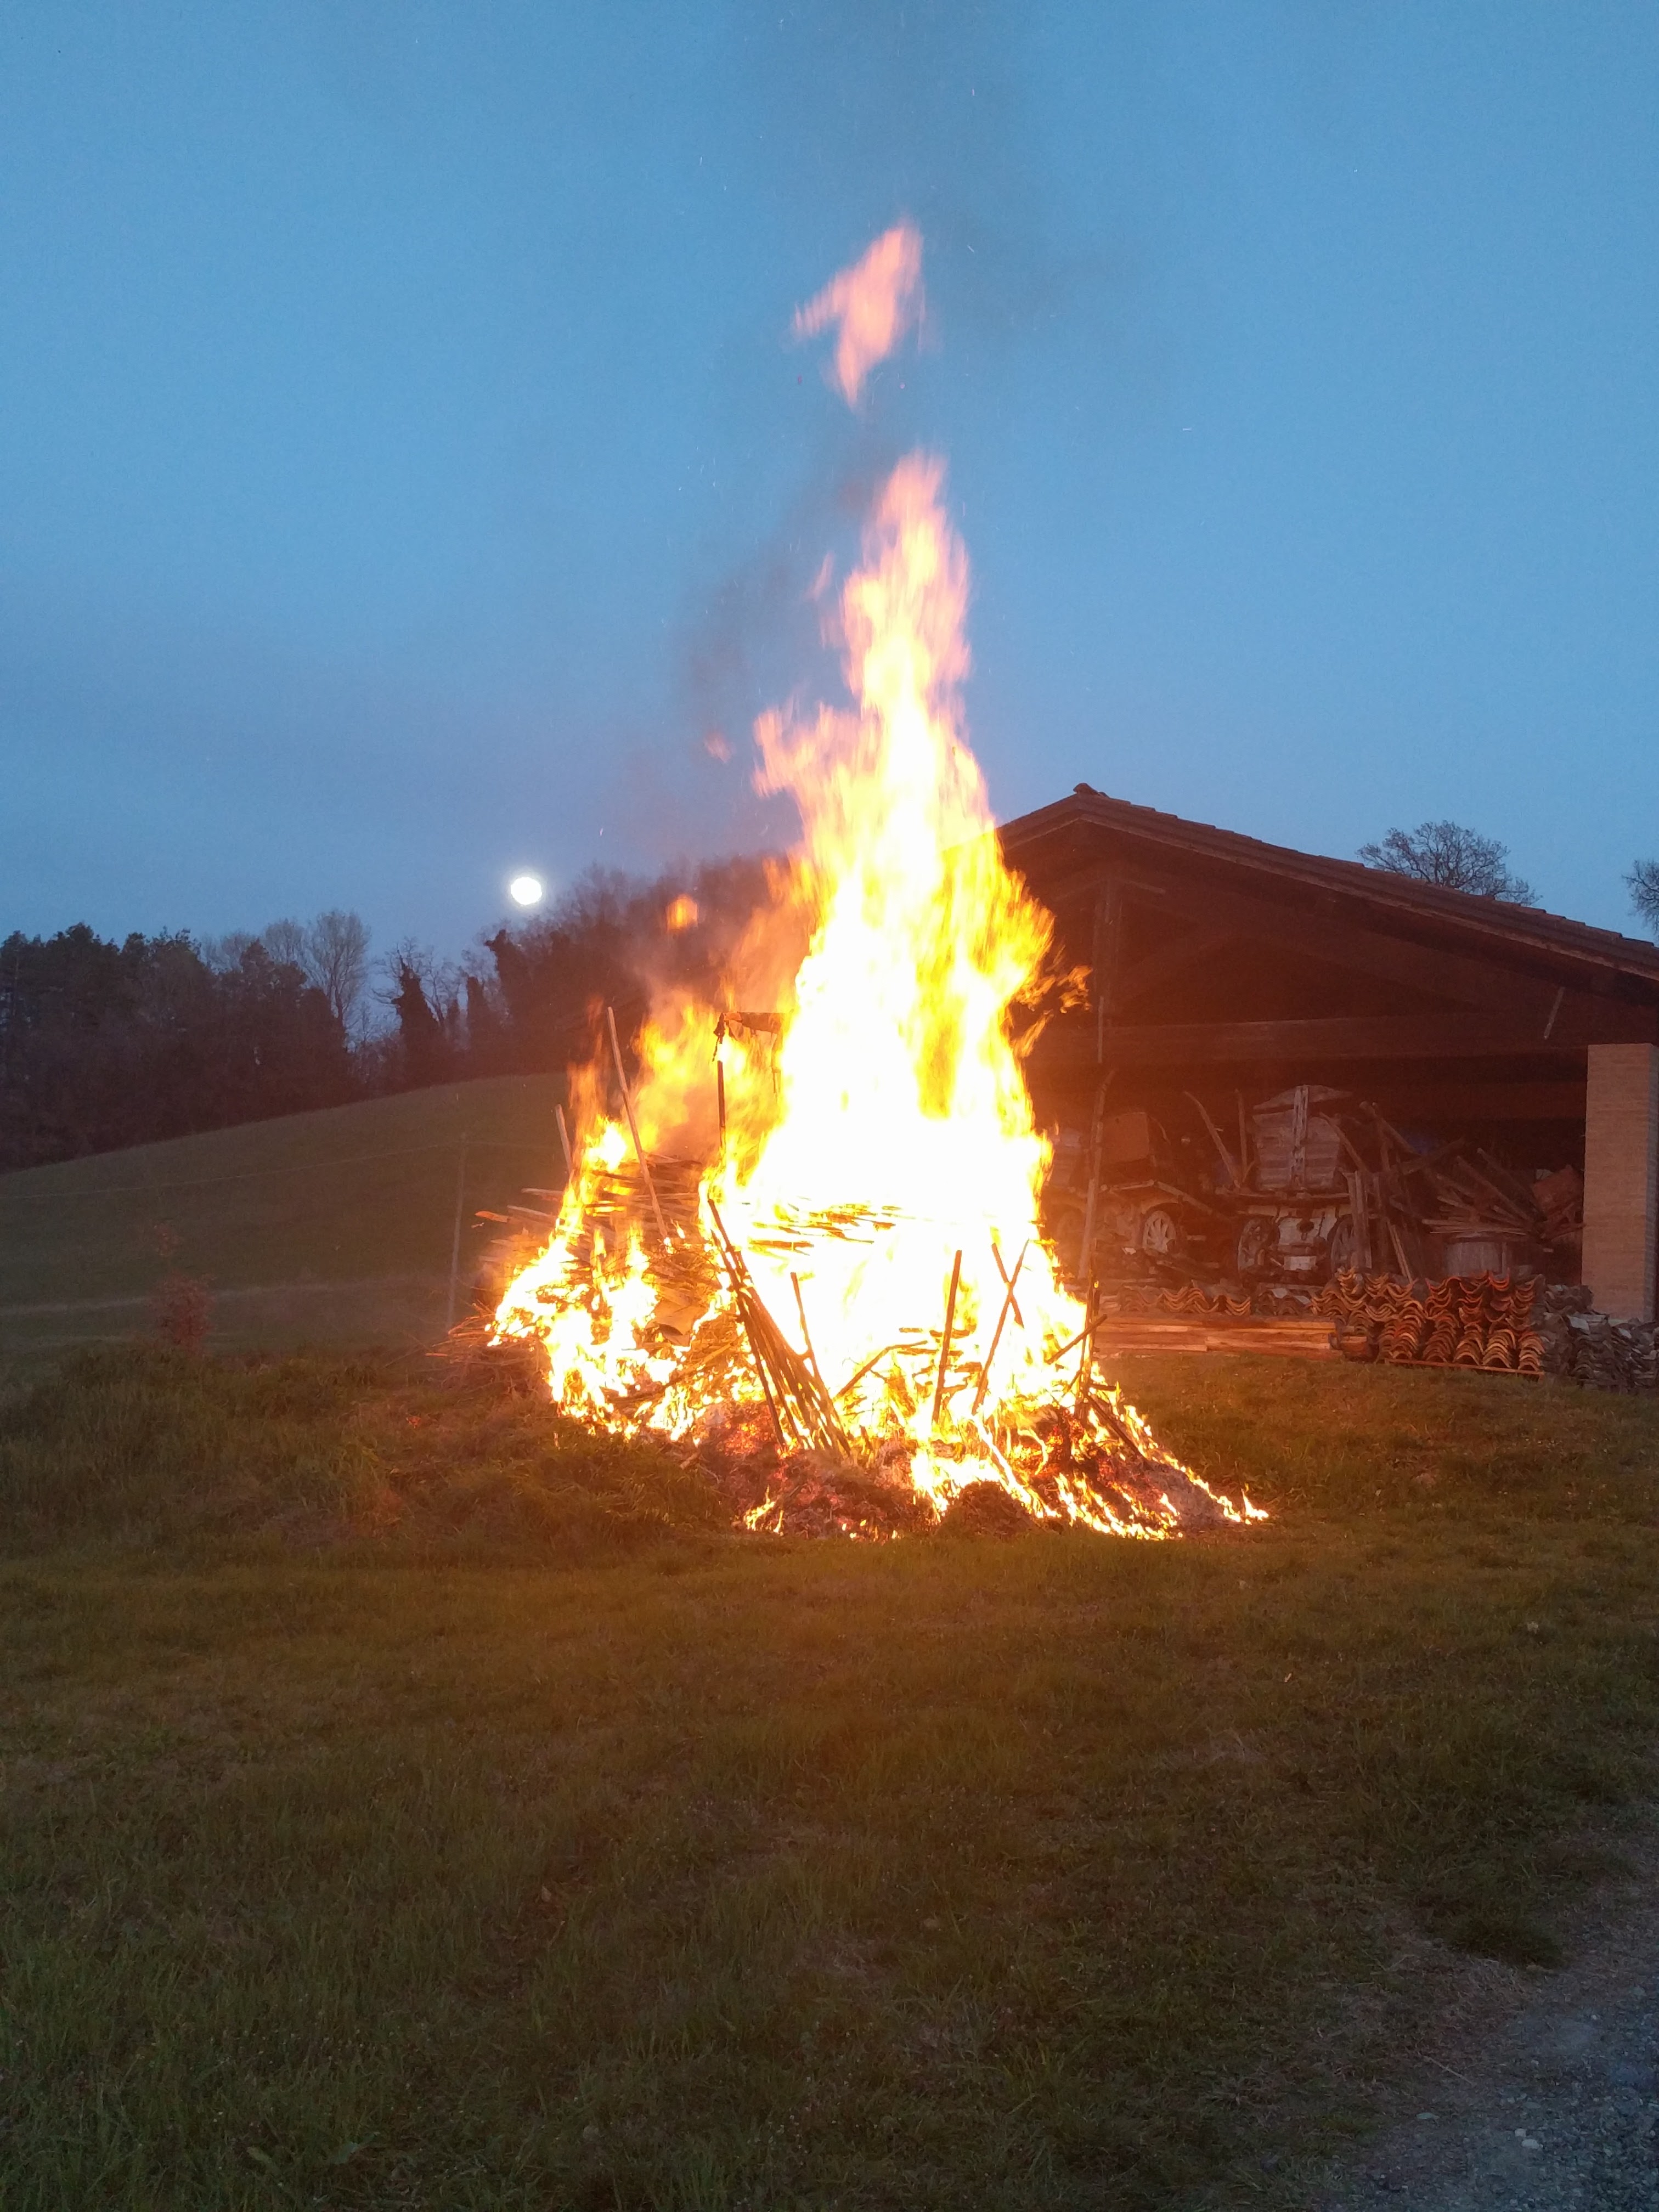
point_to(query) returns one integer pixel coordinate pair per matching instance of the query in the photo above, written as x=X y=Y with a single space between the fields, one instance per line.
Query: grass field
x=409 y=1802
x=333 y=1227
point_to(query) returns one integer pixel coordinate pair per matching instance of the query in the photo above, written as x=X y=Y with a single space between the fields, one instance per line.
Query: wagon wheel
x=1159 y=1235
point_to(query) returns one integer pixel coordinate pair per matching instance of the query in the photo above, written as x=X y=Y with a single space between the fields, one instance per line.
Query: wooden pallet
x=1285 y=1339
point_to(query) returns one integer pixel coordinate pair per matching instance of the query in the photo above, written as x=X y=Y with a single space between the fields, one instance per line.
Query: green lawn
x=409 y=1802
x=333 y=1227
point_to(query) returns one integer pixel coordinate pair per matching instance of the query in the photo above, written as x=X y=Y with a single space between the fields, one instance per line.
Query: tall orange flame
x=864 y=1161
x=875 y=1185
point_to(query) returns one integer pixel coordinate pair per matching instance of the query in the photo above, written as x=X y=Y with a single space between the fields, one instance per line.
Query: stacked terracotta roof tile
x=1191 y=1301
x=1506 y=1326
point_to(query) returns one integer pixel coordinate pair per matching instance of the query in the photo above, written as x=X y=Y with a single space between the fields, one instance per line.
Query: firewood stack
x=1469 y=1197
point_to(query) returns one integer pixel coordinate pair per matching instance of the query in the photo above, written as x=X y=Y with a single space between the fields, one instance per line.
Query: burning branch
x=1008 y=1307
x=792 y=1388
x=944 y=1341
x=633 y=1125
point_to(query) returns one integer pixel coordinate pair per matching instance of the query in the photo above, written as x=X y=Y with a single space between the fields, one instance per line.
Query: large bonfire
x=804 y=1246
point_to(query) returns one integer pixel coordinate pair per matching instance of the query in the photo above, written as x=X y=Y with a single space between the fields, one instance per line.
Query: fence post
x=455 y=1242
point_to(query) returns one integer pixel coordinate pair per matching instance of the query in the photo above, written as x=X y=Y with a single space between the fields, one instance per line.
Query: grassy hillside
x=332 y=1227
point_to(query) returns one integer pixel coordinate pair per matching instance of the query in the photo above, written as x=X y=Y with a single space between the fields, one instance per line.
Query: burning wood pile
x=802 y=1249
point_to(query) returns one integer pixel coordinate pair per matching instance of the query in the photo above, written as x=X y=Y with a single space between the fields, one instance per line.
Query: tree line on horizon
x=106 y=1044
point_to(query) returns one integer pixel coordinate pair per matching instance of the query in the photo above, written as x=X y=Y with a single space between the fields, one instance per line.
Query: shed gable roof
x=1046 y=846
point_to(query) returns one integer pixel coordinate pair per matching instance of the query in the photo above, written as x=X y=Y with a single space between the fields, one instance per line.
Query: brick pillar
x=1621 y=1177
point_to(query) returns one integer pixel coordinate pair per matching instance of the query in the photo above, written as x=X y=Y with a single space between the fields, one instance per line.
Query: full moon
x=527 y=890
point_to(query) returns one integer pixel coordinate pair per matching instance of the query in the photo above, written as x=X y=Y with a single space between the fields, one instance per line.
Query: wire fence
x=258 y=1174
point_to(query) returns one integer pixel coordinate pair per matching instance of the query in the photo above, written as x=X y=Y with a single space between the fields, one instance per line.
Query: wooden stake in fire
x=945 y=1341
x=1007 y=1303
x=722 y=1030
x=455 y=1242
x=633 y=1127
x=564 y=1139
x=1097 y=1146
x=1085 y=1372
x=806 y=1334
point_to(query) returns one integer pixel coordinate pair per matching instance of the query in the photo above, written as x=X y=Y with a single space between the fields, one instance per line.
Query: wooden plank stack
x=1288 y=1337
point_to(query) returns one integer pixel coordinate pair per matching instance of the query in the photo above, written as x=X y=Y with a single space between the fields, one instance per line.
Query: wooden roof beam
x=1341 y=1037
x=1330 y=936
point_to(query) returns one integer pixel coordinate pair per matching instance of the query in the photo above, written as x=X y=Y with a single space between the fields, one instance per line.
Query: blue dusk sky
x=404 y=466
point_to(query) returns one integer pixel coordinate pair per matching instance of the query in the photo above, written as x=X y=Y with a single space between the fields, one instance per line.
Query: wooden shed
x=1220 y=963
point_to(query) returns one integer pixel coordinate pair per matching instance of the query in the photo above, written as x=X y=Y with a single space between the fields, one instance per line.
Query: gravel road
x=1549 y=2103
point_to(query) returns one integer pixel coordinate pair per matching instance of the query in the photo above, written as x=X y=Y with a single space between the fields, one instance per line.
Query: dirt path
x=1546 y=2095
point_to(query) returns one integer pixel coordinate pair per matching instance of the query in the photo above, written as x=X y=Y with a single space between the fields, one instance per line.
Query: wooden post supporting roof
x=1621 y=1177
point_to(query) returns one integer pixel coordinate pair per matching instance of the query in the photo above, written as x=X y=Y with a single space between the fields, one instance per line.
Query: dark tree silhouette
x=1446 y=853
x=427 y=1056
x=103 y=1045
x=1643 y=884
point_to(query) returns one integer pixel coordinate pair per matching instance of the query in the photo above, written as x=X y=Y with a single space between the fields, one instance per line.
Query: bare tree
x=286 y=942
x=1446 y=853
x=337 y=964
x=332 y=953
x=1643 y=883
x=221 y=954
x=441 y=980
